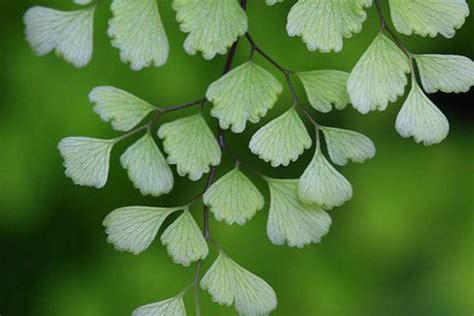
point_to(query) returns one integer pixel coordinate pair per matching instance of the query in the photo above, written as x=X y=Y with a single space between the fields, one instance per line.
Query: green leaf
x=420 y=118
x=379 y=76
x=292 y=221
x=68 y=33
x=344 y=145
x=184 y=240
x=326 y=88
x=324 y=24
x=281 y=140
x=191 y=146
x=228 y=283
x=323 y=185
x=272 y=2
x=428 y=17
x=83 y=2
x=234 y=198
x=446 y=73
x=136 y=30
x=134 y=228
x=147 y=167
x=170 y=307
x=244 y=94
x=122 y=109
x=213 y=25
x=86 y=159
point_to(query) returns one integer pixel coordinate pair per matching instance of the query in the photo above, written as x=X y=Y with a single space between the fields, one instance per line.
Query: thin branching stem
x=196 y=282
x=131 y=133
x=385 y=27
x=206 y=231
x=287 y=73
x=255 y=48
x=180 y=106
x=380 y=15
x=212 y=175
x=230 y=58
x=237 y=161
x=307 y=114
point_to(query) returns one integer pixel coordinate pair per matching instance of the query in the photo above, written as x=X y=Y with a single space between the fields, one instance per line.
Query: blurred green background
x=404 y=245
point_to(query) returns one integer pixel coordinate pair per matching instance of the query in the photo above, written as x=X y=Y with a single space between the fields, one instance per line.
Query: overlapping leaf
x=282 y=140
x=170 y=307
x=229 y=283
x=137 y=30
x=421 y=119
x=233 y=198
x=446 y=73
x=428 y=17
x=323 y=24
x=292 y=221
x=325 y=89
x=345 y=145
x=86 y=159
x=122 y=109
x=83 y=2
x=68 y=33
x=184 y=240
x=244 y=94
x=323 y=185
x=272 y=2
x=379 y=76
x=134 y=228
x=147 y=167
x=191 y=146
x=213 y=25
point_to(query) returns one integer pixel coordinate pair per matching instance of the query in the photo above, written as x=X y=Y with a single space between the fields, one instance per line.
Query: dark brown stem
x=238 y=162
x=291 y=87
x=180 y=106
x=380 y=15
x=255 y=48
x=220 y=137
x=230 y=57
x=212 y=175
x=308 y=115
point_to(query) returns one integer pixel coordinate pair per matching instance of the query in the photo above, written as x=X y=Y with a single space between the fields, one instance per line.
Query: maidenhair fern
x=298 y=211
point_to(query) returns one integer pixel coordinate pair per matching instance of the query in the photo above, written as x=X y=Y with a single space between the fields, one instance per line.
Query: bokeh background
x=404 y=245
